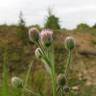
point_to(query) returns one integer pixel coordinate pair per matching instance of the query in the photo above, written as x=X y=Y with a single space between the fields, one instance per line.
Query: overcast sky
x=70 y=12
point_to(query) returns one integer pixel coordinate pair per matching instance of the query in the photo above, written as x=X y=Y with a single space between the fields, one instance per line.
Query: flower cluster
x=43 y=41
x=45 y=52
x=45 y=36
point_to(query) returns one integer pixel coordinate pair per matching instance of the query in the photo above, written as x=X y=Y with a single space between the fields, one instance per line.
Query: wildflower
x=16 y=82
x=38 y=53
x=34 y=34
x=69 y=43
x=46 y=37
x=61 y=80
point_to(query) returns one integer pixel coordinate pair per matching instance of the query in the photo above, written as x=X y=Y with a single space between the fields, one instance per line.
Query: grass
x=5 y=88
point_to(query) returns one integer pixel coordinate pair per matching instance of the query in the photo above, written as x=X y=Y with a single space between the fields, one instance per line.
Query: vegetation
x=22 y=30
x=52 y=21
x=82 y=26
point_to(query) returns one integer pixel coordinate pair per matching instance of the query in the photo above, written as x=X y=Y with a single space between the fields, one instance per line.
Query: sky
x=70 y=12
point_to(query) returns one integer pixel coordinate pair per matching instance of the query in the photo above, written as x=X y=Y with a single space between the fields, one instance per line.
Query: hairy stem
x=27 y=78
x=68 y=63
x=67 y=67
x=53 y=73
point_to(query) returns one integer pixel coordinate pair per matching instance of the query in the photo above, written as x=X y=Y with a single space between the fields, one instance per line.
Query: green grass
x=5 y=88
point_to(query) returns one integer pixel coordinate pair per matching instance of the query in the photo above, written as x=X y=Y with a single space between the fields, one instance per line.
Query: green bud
x=66 y=88
x=69 y=43
x=34 y=34
x=38 y=53
x=61 y=80
x=17 y=82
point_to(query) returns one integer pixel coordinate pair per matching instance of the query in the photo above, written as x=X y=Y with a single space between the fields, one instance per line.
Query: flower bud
x=38 y=53
x=46 y=37
x=66 y=88
x=34 y=34
x=17 y=82
x=69 y=43
x=61 y=80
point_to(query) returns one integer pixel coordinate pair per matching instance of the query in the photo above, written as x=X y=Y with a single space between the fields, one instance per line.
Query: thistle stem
x=53 y=82
x=44 y=51
x=68 y=63
x=27 y=78
x=28 y=74
x=42 y=48
x=67 y=67
x=53 y=73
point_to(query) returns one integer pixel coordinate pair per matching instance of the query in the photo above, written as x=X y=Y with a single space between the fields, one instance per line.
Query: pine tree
x=22 y=30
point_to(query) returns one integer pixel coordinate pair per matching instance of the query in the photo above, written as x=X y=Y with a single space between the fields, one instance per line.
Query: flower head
x=69 y=43
x=34 y=34
x=66 y=88
x=38 y=53
x=17 y=82
x=61 y=80
x=46 y=37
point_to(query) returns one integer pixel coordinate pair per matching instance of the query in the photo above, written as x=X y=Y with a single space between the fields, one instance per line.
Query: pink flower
x=46 y=37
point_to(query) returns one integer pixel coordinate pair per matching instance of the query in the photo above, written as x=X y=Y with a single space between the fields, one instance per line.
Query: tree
x=22 y=30
x=83 y=26
x=94 y=26
x=52 y=21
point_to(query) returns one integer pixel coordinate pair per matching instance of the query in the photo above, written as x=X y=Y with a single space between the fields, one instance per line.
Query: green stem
x=53 y=73
x=68 y=63
x=44 y=52
x=5 y=88
x=67 y=67
x=28 y=74
x=42 y=48
x=47 y=67
x=27 y=77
